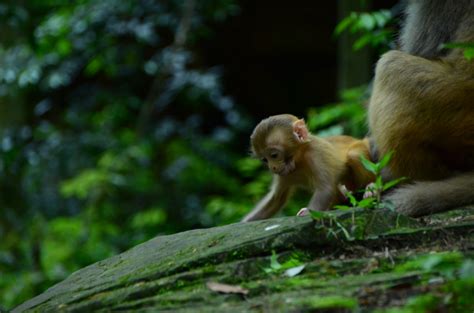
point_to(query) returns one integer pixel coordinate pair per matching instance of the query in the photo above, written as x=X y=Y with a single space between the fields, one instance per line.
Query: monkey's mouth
x=287 y=169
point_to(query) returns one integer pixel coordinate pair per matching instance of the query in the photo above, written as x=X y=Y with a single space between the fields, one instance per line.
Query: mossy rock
x=347 y=261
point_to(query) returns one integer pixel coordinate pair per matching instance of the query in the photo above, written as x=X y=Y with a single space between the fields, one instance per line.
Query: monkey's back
x=345 y=143
x=351 y=149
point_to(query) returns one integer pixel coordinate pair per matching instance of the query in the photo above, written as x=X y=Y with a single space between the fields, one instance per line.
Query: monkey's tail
x=423 y=198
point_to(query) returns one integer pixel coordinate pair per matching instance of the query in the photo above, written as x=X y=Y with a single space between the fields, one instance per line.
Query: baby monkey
x=299 y=159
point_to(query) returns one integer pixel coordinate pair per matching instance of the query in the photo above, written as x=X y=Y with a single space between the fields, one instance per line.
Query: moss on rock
x=351 y=260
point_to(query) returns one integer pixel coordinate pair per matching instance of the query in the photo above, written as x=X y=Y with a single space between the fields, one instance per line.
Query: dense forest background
x=121 y=120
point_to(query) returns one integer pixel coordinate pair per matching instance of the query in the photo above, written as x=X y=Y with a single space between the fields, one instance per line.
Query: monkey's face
x=276 y=148
x=277 y=161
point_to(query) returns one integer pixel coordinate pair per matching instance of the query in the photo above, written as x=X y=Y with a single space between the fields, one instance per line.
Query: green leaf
x=342 y=207
x=393 y=183
x=94 y=66
x=149 y=218
x=352 y=199
x=469 y=53
x=468 y=48
x=85 y=183
x=367 y=21
x=370 y=166
x=344 y=231
x=318 y=215
x=382 y=17
x=385 y=160
x=363 y=41
x=274 y=264
x=455 y=45
x=378 y=183
x=331 y=232
x=64 y=47
x=319 y=303
x=366 y=203
x=344 y=24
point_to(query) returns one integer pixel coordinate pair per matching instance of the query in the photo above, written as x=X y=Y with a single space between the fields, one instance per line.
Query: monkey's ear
x=300 y=131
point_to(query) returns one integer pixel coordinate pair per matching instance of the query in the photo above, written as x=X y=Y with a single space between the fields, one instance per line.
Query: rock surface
x=341 y=262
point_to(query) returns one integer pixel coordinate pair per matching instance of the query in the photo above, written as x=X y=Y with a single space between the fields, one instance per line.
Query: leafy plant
x=328 y=221
x=345 y=117
x=293 y=262
x=374 y=190
x=374 y=28
x=374 y=201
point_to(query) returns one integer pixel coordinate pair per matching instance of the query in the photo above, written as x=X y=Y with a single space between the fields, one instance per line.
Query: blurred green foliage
x=375 y=29
x=344 y=117
x=112 y=131
x=105 y=134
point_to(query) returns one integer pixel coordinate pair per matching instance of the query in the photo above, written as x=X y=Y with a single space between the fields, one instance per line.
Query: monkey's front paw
x=303 y=212
x=343 y=190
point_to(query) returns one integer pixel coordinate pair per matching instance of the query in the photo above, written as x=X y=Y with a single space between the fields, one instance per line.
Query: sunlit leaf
x=369 y=165
x=366 y=203
x=367 y=21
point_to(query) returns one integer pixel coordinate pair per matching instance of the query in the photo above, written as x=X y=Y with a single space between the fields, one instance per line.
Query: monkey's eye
x=264 y=160
x=274 y=155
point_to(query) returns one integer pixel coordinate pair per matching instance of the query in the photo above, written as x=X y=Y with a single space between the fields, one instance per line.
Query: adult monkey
x=422 y=107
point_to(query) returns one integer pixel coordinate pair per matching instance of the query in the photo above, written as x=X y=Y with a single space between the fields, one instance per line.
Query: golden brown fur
x=301 y=160
x=422 y=108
